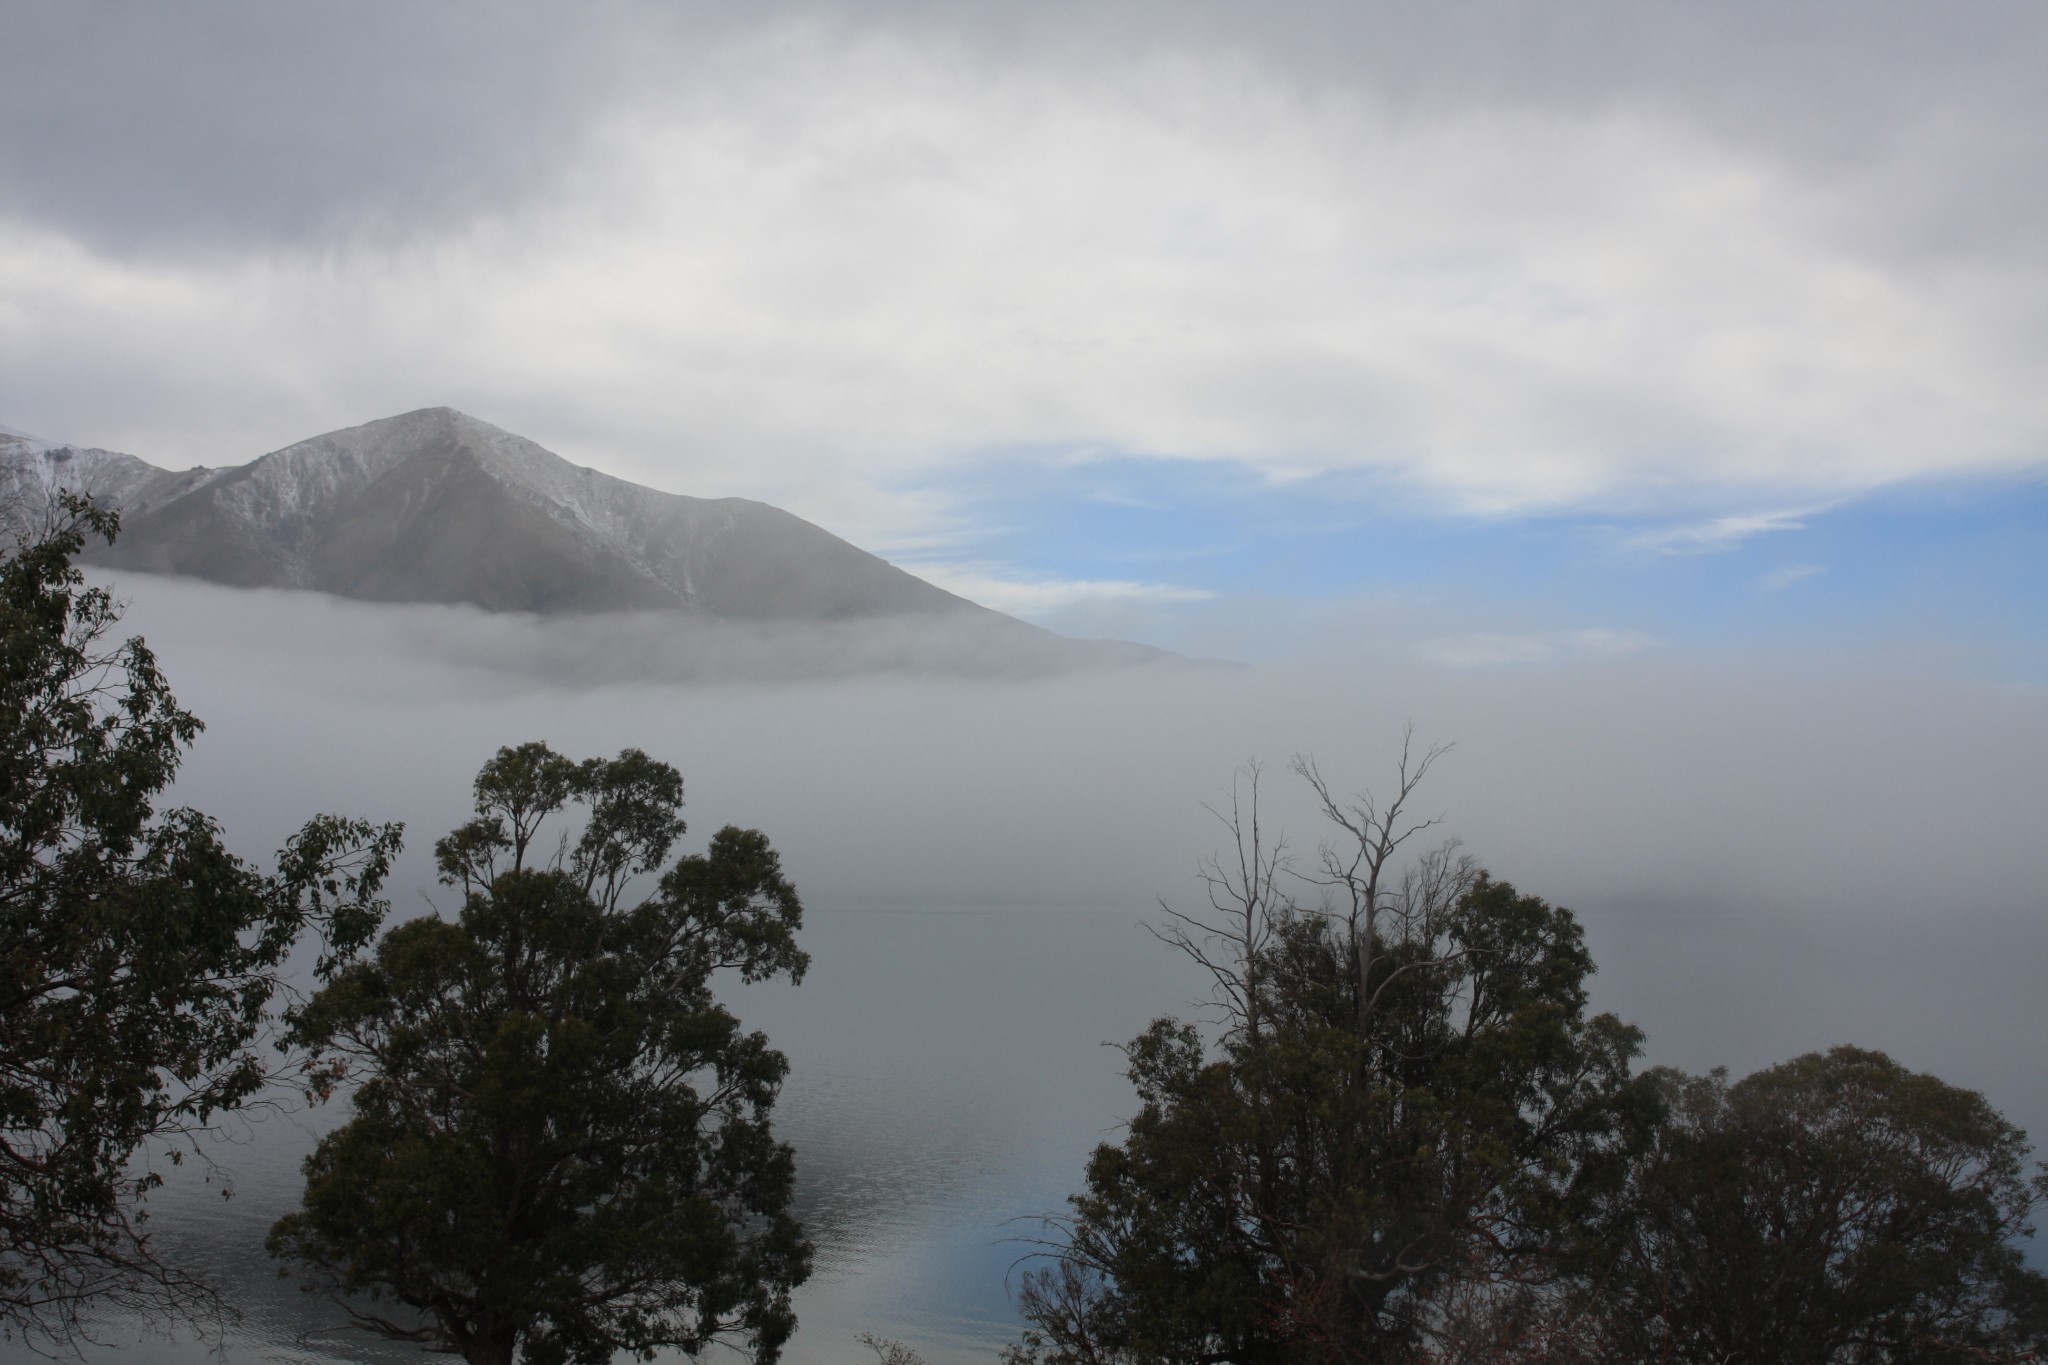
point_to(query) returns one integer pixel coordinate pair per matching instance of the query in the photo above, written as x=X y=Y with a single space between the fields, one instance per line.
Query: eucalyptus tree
x=560 y=1146
x=1404 y=1138
x=140 y=960
x=1407 y=1095
x=1836 y=1209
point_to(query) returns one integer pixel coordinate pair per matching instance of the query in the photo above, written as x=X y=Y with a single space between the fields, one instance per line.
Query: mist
x=1772 y=853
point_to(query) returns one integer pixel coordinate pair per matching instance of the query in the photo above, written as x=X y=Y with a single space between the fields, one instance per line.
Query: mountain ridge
x=437 y=506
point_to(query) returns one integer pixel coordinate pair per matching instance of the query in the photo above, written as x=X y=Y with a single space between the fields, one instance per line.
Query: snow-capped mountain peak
x=438 y=506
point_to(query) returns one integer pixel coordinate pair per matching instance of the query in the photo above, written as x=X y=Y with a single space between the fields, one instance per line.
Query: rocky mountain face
x=436 y=506
x=33 y=471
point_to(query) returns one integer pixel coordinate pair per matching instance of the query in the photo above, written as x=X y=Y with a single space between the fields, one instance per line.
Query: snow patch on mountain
x=36 y=471
x=13 y=440
x=436 y=507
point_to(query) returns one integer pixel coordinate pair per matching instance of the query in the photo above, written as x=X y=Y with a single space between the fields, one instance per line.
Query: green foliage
x=138 y=957
x=889 y=1351
x=1358 y=1140
x=1837 y=1209
x=560 y=1145
x=1410 y=1143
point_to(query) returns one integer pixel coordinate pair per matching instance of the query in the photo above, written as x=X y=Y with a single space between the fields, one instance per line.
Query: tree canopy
x=560 y=1145
x=1407 y=1094
x=1836 y=1208
x=1406 y=1139
x=139 y=958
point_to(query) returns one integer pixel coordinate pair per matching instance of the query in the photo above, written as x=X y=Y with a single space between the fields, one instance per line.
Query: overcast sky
x=1649 y=397
x=1590 y=327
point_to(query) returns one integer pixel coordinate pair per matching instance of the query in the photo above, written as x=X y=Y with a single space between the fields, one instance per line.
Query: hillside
x=436 y=506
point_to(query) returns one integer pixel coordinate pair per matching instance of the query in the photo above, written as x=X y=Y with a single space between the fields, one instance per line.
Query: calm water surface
x=948 y=1079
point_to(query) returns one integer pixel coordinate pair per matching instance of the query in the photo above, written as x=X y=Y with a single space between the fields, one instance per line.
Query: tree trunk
x=492 y=1346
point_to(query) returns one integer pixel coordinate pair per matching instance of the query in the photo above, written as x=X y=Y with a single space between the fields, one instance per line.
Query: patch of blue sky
x=1962 y=561
x=1216 y=526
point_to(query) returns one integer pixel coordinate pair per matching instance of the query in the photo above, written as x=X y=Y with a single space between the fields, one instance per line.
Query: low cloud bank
x=1772 y=854
x=468 y=647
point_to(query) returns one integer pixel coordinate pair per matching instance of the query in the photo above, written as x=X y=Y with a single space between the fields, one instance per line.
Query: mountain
x=435 y=506
x=33 y=470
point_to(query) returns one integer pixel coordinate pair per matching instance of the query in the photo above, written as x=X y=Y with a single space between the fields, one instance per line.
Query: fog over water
x=1645 y=397
x=1771 y=853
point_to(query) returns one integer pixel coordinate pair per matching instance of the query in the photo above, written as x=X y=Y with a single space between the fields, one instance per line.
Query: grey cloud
x=234 y=126
x=155 y=129
x=1666 y=258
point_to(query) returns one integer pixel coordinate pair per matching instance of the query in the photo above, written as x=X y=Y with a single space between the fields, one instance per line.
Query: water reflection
x=948 y=1078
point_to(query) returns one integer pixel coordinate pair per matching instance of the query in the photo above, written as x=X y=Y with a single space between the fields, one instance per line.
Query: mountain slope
x=436 y=506
x=33 y=471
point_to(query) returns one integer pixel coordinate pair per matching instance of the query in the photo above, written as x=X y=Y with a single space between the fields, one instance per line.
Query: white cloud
x=1717 y=533
x=1487 y=649
x=821 y=270
x=1032 y=596
x=1777 y=580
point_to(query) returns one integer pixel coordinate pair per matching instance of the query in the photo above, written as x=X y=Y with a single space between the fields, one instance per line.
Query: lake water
x=948 y=1079
x=1771 y=856
x=950 y=1074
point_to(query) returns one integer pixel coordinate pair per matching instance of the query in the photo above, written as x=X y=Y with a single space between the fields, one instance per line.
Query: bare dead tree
x=1244 y=886
x=888 y=1350
x=1249 y=883
x=1354 y=874
x=1362 y=1167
